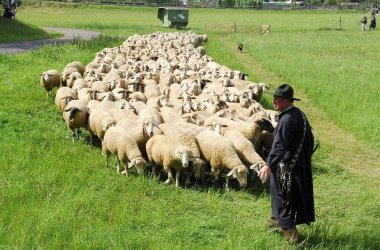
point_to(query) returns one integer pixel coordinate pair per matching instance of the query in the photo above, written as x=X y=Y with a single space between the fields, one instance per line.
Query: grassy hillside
x=58 y=195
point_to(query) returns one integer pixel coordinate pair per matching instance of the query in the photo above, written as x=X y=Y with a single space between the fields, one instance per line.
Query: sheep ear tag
x=232 y=172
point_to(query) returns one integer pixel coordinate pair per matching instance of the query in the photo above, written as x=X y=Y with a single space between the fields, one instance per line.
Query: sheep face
x=186 y=107
x=240 y=173
x=163 y=101
x=184 y=155
x=149 y=128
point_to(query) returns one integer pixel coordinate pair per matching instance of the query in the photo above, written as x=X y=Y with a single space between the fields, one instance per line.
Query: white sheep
x=180 y=131
x=99 y=121
x=67 y=71
x=140 y=130
x=244 y=148
x=117 y=142
x=50 y=79
x=75 y=114
x=72 y=78
x=78 y=65
x=63 y=96
x=169 y=153
x=221 y=154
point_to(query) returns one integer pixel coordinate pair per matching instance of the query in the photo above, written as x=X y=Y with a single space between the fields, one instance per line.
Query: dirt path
x=69 y=35
x=358 y=158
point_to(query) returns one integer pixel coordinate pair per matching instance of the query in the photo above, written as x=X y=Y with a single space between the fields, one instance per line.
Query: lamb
x=50 y=79
x=75 y=115
x=221 y=154
x=63 y=96
x=117 y=142
x=169 y=153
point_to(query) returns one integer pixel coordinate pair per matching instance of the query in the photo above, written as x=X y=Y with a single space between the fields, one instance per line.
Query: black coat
x=287 y=138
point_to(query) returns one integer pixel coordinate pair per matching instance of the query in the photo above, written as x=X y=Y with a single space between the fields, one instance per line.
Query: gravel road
x=69 y=35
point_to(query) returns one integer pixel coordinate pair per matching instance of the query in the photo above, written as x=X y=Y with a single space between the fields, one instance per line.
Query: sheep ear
x=67 y=109
x=179 y=151
x=232 y=172
x=132 y=163
x=255 y=167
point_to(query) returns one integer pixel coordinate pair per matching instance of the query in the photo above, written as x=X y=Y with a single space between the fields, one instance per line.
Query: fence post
x=235 y=26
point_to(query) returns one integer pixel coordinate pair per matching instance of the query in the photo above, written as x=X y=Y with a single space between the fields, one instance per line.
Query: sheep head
x=138 y=163
x=184 y=154
x=148 y=127
x=240 y=173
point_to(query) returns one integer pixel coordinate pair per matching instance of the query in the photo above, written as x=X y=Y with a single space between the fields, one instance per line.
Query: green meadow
x=58 y=195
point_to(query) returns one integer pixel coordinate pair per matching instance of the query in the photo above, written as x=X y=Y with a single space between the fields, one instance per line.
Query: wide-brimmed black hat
x=285 y=91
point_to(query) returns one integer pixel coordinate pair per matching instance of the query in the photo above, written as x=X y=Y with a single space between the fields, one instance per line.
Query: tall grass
x=55 y=194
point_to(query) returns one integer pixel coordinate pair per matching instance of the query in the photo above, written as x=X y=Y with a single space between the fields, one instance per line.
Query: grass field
x=58 y=195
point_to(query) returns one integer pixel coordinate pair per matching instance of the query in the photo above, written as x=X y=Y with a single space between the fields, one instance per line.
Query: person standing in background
x=364 y=22
x=372 y=23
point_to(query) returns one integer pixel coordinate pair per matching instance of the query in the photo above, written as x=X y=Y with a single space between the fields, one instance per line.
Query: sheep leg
x=118 y=165
x=78 y=133
x=107 y=156
x=215 y=173
x=170 y=177
x=73 y=134
x=177 y=176
x=91 y=138
x=188 y=175
x=126 y=170
x=227 y=188
x=154 y=170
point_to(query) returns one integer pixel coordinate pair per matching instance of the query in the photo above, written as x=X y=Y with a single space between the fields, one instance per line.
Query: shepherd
x=289 y=167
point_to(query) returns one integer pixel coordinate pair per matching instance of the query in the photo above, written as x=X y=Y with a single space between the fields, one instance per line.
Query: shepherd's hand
x=264 y=173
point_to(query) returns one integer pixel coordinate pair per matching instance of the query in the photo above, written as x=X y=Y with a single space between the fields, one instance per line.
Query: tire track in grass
x=354 y=155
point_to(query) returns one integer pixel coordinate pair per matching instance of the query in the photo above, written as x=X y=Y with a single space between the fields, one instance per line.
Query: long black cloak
x=287 y=138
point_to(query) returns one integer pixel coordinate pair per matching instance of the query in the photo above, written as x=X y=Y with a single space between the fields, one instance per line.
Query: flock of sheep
x=159 y=100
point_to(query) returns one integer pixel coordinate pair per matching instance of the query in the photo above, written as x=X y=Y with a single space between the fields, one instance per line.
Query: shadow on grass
x=16 y=31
